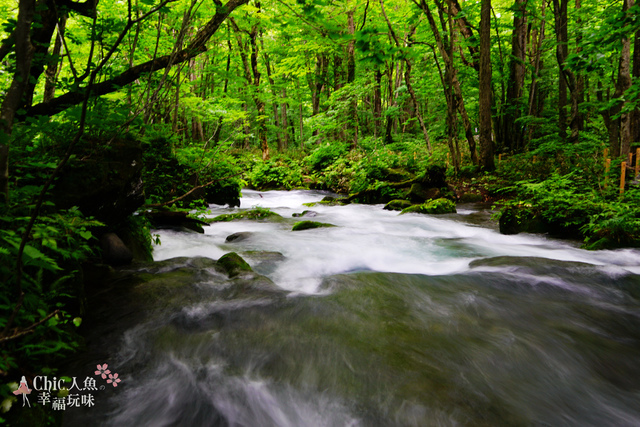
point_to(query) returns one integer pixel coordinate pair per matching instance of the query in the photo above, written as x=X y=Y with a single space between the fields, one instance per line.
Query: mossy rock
x=471 y=198
x=433 y=207
x=305 y=213
x=306 y=225
x=397 y=205
x=252 y=214
x=233 y=264
x=419 y=194
x=397 y=175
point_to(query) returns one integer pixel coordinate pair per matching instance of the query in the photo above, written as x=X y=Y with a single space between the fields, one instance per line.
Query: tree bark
x=13 y=98
x=622 y=84
x=486 y=145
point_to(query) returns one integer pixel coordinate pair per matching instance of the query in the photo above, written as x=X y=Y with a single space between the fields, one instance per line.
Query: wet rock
x=419 y=194
x=114 y=251
x=233 y=264
x=239 y=237
x=175 y=220
x=253 y=214
x=310 y=214
x=397 y=205
x=438 y=206
x=307 y=225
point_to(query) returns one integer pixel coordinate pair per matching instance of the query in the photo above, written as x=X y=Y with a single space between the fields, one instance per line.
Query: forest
x=114 y=111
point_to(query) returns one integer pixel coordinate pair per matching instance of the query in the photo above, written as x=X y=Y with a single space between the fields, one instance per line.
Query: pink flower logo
x=113 y=379
x=103 y=371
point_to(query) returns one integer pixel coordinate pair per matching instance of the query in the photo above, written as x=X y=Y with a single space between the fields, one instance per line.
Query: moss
x=438 y=206
x=306 y=225
x=397 y=205
x=233 y=264
x=258 y=213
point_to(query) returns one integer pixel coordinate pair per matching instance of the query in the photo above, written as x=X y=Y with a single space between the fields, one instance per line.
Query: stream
x=383 y=320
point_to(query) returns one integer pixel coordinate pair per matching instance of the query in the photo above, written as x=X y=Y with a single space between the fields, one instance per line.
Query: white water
x=370 y=238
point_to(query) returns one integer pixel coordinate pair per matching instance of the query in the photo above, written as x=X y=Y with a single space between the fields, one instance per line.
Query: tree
x=486 y=145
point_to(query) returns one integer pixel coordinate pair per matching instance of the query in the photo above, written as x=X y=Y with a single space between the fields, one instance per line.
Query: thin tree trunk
x=622 y=84
x=24 y=51
x=486 y=145
x=55 y=65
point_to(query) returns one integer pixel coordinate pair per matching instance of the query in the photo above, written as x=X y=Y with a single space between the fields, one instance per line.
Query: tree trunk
x=24 y=51
x=513 y=131
x=486 y=145
x=55 y=64
x=622 y=84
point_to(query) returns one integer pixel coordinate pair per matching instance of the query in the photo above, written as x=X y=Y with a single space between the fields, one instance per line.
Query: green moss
x=438 y=206
x=233 y=264
x=397 y=205
x=306 y=225
x=258 y=213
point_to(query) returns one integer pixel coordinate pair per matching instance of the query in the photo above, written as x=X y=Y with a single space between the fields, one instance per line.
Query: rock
x=114 y=251
x=250 y=214
x=233 y=264
x=175 y=220
x=418 y=194
x=239 y=237
x=106 y=184
x=396 y=175
x=438 y=206
x=434 y=177
x=471 y=198
x=309 y=214
x=397 y=205
x=306 y=225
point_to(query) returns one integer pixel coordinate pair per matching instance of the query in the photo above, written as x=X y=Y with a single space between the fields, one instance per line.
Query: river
x=383 y=320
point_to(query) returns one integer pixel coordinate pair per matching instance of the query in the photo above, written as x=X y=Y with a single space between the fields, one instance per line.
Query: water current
x=383 y=320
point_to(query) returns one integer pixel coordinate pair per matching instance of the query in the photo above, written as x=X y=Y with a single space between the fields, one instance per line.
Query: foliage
x=274 y=174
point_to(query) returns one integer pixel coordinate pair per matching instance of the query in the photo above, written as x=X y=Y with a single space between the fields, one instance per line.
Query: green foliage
x=326 y=154
x=275 y=174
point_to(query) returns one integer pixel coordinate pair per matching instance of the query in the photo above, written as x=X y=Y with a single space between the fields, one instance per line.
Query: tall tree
x=486 y=144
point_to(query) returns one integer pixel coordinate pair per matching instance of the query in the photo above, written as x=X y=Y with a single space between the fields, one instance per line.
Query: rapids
x=384 y=320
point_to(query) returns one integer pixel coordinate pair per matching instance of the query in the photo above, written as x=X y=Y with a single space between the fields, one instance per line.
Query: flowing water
x=384 y=320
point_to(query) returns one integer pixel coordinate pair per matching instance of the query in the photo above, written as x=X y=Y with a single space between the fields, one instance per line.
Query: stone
x=397 y=205
x=309 y=214
x=233 y=264
x=238 y=237
x=114 y=251
x=433 y=207
x=307 y=225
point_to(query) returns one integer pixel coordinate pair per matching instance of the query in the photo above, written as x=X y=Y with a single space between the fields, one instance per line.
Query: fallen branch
x=17 y=333
x=177 y=199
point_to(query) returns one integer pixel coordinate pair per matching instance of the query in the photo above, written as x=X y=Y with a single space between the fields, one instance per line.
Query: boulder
x=438 y=206
x=309 y=214
x=233 y=264
x=114 y=251
x=239 y=237
x=306 y=225
x=419 y=194
x=106 y=184
x=397 y=205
